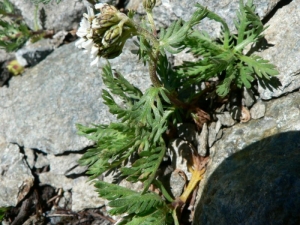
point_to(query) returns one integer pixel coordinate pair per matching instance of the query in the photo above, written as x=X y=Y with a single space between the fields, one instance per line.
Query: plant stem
x=152 y=64
x=151 y=21
x=36 y=23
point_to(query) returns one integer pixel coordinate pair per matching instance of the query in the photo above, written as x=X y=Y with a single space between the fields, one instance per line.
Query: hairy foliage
x=224 y=57
x=171 y=39
x=133 y=145
x=148 y=208
x=142 y=121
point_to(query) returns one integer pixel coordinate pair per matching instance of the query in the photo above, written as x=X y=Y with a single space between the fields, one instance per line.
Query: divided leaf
x=249 y=26
x=171 y=39
x=124 y=200
x=119 y=86
x=115 y=143
x=223 y=58
x=261 y=67
x=157 y=217
x=144 y=169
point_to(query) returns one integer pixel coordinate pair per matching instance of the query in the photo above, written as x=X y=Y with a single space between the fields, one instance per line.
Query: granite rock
x=33 y=53
x=258 y=110
x=5 y=75
x=180 y=152
x=169 y=10
x=65 y=164
x=202 y=141
x=84 y=195
x=40 y=109
x=257 y=185
x=225 y=119
x=213 y=131
x=41 y=161
x=15 y=176
x=56 y=180
x=177 y=183
x=63 y=16
x=4 y=56
x=251 y=157
x=284 y=52
x=30 y=157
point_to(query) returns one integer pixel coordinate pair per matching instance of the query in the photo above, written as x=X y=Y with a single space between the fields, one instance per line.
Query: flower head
x=149 y=4
x=104 y=34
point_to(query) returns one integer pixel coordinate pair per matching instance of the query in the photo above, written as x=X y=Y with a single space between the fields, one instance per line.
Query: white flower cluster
x=85 y=32
x=104 y=34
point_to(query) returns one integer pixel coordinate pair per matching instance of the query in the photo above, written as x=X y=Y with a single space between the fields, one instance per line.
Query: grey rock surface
x=4 y=56
x=84 y=195
x=111 y=2
x=177 y=183
x=248 y=98
x=56 y=180
x=63 y=16
x=41 y=161
x=257 y=185
x=33 y=53
x=30 y=157
x=5 y=75
x=260 y=145
x=43 y=106
x=213 y=131
x=65 y=164
x=283 y=32
x=170 y=10
x=180 y=152
x=15 y=176
x=226 y=119
x=202 y=141
x=258 y=110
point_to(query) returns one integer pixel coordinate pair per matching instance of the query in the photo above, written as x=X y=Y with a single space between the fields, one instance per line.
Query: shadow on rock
x=258 y=185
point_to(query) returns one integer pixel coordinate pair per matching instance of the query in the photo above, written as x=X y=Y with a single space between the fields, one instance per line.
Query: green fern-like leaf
x=142 y=209
x=3 y=211
x=144 y=169
x=6 y=7
x=115 y=143
x=225 y=35
x=225 y=57
x=157 y=217
x=246 y=76
x=125 y=200
x=249 y=26
x=143 y=120
x=261 y=67
x=119 y=86
x=172 y=38
x=13 y=35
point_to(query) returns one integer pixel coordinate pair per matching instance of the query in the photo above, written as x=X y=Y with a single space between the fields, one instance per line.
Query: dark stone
x=4 y=75
x=258 y=185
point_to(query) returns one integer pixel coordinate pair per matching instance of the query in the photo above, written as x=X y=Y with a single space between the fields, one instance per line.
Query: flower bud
x=112 y=35
x=149 y=4
x=105 y=20
x=106 y=8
